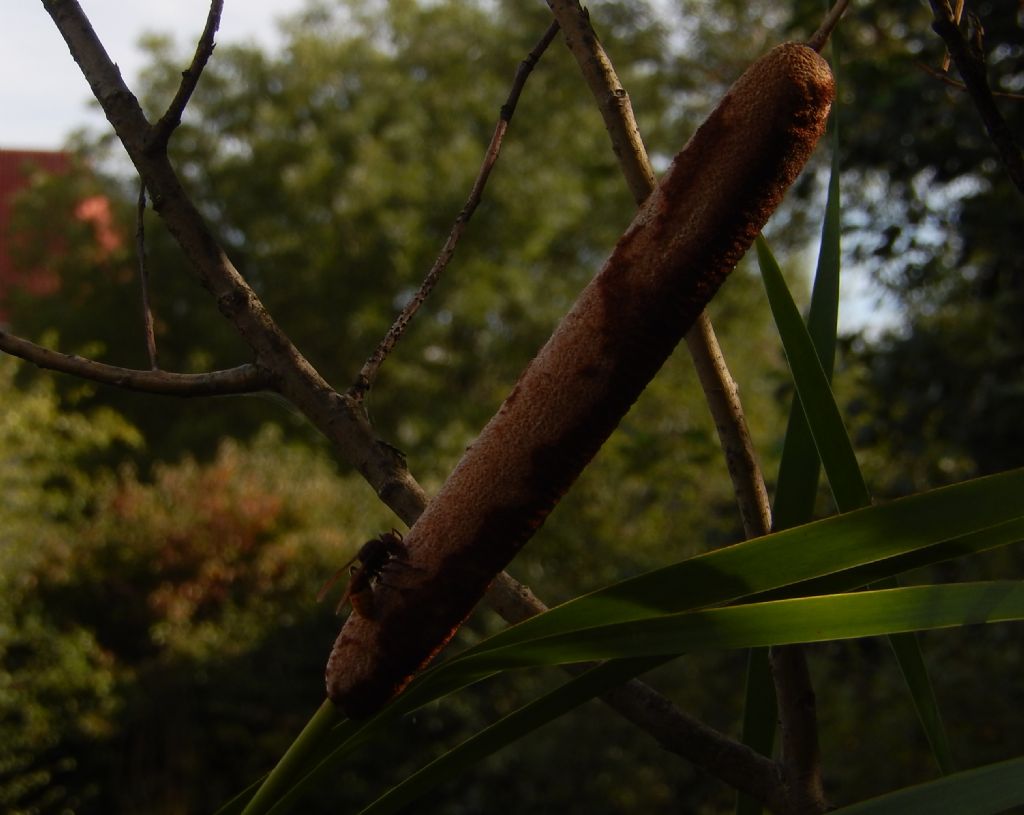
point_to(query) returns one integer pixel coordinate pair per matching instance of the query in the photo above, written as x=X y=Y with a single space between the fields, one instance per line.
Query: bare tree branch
x=734 y=763
x=368 y=374
x=957 y=13
x=163 y=129
x=970 y=62
x=723 y=397
x=338 y=417
x=798 y=724
x=612 y=100
x=243 y=379
x=341 y=419
x=960 y=86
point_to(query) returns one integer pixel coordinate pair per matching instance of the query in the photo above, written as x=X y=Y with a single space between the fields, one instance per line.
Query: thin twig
x=140 y=250
x=970 y=62
x=820 y=37
x=163 y=129
x=370 y=369
x=243 y=379
x=723 y=397
x=960 y=86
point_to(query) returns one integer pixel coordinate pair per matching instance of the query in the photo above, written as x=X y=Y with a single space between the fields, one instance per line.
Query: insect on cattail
x=367 y=568
x=684 y=241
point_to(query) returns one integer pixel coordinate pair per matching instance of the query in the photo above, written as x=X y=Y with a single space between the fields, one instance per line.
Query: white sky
x=43 y=97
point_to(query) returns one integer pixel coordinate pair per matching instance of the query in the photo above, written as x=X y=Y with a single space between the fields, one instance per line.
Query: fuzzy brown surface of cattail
x=684 y=241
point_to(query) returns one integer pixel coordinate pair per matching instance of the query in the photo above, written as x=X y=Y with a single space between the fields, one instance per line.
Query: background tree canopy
x=161 y=642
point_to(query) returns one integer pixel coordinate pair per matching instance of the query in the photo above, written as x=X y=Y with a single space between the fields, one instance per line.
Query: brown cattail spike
x=685 y=240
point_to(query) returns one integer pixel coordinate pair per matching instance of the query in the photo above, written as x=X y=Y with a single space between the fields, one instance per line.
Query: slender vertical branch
x=798 y=727
x=723 y=396
x=140 y=251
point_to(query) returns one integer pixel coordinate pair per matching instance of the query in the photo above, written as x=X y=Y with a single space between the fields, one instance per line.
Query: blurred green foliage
x=932 y=216
x=143 y=622
x=56 y=682
x=160 y=644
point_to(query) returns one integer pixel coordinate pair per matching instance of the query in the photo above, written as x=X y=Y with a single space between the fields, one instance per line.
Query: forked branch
x=163 y=129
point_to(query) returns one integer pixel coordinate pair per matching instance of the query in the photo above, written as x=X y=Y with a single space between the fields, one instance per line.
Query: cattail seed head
x=687 y=237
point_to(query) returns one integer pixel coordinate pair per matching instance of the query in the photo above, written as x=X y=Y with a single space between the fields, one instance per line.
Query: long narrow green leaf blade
x=868 y=544
x=295 y=758
x=778 y=622
x=830 y=546
x=823 y=417
x=844 y=476
x=235 y=805
x=348 y=737
x=452 y=676
x=986 y=790
x=915 y=672
x=878 y=572
x=803 y=619
x=799 y=466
